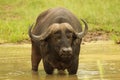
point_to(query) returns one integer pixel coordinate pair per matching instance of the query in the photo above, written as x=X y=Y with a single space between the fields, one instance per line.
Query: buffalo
x=56 y=38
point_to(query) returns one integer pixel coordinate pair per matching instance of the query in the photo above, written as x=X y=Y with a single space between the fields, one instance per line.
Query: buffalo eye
x=69 y=35
x=57 y=36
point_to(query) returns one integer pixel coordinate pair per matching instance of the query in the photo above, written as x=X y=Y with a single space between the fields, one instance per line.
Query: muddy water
x=98 y=61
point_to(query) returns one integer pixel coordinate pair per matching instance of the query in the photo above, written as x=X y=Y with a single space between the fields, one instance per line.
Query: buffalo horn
x=37 y=37
x=82 y=34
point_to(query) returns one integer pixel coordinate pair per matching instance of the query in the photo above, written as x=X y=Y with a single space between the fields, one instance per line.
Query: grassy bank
x=17 y=15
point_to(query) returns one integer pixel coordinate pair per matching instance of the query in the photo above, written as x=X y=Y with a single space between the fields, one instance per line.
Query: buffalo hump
x=55 y=15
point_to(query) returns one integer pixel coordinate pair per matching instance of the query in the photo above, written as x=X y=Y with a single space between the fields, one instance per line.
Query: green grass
x=17 y=15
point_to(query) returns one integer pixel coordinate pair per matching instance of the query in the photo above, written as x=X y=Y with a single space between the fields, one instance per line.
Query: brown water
x=98 y=61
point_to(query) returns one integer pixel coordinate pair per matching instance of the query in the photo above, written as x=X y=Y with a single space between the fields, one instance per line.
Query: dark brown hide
x=55 y=40
x=55 y=15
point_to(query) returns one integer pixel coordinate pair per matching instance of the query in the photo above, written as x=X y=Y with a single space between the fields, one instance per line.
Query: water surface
x=98 y=61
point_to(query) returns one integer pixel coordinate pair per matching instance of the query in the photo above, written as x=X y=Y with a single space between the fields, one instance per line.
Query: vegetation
x=17 y=15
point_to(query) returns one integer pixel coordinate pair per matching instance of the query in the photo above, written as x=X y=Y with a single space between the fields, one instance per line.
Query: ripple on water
x=15 y=73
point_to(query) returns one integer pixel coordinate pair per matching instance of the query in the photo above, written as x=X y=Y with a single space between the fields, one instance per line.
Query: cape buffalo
x=56 y=39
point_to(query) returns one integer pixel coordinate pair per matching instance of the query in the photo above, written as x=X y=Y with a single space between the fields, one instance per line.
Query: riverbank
x=16 y=16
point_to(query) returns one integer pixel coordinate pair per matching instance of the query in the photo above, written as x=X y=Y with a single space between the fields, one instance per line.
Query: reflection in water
x=38 y=76
x=96 y=63
x=35 y=76
x=61 y=77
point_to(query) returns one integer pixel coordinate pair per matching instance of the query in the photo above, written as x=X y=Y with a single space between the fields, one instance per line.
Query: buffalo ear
x=76 y=40
x=42 y=43
x=43 y=46
x=74 y=36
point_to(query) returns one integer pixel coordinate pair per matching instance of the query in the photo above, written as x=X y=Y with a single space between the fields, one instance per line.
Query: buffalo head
x=59 y=38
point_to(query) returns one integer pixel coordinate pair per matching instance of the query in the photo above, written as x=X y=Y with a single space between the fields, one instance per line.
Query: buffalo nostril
x=67 y=50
